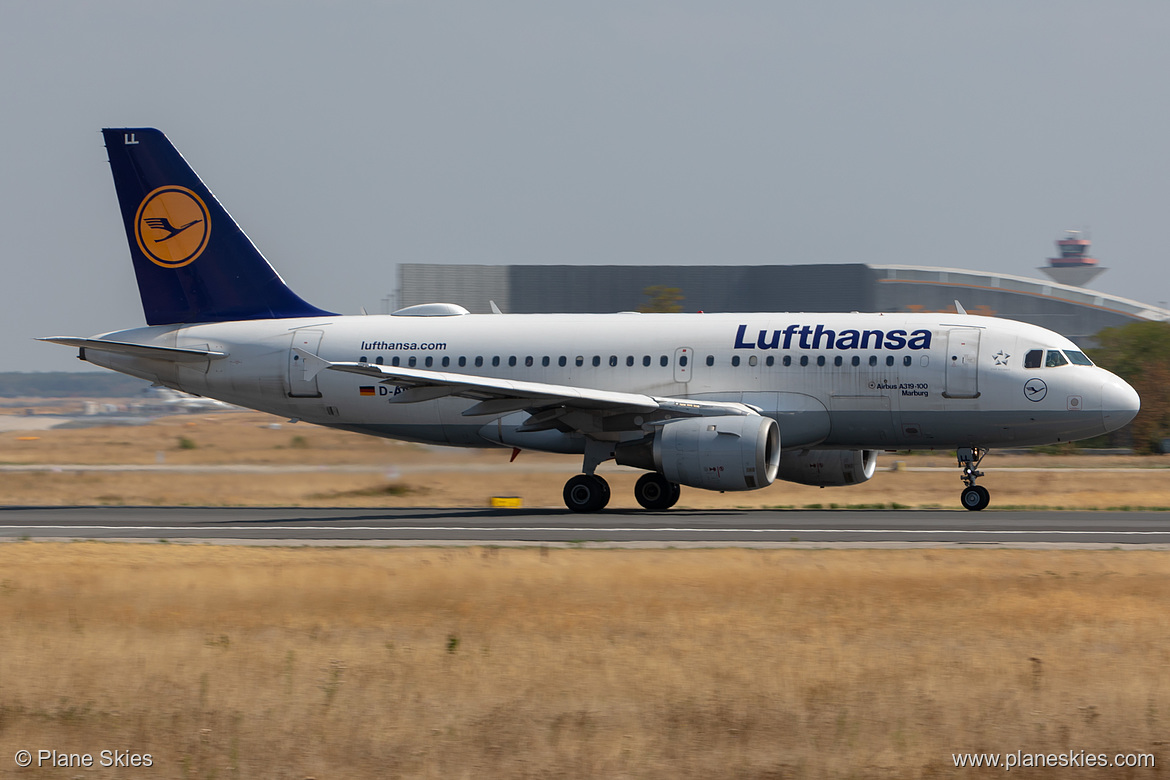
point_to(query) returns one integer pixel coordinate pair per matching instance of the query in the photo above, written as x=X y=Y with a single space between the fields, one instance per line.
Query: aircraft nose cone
x=1119 y=403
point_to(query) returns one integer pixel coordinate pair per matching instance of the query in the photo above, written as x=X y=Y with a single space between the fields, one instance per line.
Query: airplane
x=165 y=399
x=717 y=401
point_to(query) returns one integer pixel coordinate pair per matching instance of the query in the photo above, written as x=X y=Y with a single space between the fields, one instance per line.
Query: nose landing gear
x=974 y=497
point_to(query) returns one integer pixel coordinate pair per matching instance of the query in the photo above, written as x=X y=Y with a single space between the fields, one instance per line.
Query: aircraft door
x=298 y=386
x=962 y=377
x=684 y=357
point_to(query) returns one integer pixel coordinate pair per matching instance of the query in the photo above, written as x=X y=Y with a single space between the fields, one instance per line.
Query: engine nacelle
x=733 y=452
x=827 y=468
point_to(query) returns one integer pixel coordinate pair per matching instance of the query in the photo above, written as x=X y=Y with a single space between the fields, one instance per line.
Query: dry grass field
x=399 y=474
x=225 y=662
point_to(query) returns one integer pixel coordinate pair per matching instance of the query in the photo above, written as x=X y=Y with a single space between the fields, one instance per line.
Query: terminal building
x=1066 y=308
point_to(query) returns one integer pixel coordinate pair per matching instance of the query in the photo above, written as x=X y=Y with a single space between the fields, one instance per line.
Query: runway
x=538 y=526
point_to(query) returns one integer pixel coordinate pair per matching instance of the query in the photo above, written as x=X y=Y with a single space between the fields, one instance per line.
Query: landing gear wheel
x=975 y=498
x=655 y=492
x=586 y=493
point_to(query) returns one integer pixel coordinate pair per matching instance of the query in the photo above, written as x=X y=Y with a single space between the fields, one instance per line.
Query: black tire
x=586 y=493
x=655 y=492
x=975 y=498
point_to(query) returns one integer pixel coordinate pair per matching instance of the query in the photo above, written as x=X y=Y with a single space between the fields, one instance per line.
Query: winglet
x=959 y=307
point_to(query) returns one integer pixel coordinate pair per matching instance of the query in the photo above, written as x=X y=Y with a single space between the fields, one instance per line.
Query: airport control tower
x=1074 y=266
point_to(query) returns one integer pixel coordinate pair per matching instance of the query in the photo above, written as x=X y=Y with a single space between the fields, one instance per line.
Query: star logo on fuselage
x=1001 y=358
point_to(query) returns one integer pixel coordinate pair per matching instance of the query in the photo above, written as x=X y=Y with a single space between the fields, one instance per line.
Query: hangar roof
x=966 y=278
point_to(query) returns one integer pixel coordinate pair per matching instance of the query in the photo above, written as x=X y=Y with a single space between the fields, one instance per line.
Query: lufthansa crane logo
x=1035 y=390
x=172 y=226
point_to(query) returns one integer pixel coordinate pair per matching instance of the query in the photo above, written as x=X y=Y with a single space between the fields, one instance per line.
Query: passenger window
x=820 y=360
x=889 y=360
x=682 y=361
x=412 y=362
x=596 y=361
x=496 y=360
x=446 y=361
x=363 y=359
x=787 y=360
x=612 y=360
x=1033 y=358
x=664 y=361
x=629 y=360
x=394 y=361
x=646 y=360
x=770 y=360
x=856 y=361
x=528 y=361
x=710 y=360
x=1078 y=358
x=753 y=360
x=478 y=361
x=907 y=360
x=1055 y=359
x=378 y=360
x=562 y=361
x=838 y=360
x=735 y=360
x=544 y=361
x=873 y=360
x=580 y=361
x=430 y=361
x=512 y=360
x=462 y=361
x=804 y=360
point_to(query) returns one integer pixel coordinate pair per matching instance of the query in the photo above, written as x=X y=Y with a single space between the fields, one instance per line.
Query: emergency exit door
x=962 y=378
x=300 y=385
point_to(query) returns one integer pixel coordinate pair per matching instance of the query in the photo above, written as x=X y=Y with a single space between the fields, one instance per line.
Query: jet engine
x=733 y=452
x=827 y=468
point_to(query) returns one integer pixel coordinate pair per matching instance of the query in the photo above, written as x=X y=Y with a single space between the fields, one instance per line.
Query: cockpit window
x=1033 y=358
x=1055 y=359
x=1078 y=358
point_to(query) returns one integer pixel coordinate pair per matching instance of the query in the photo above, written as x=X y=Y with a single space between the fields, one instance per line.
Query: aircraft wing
x=498 y=396
x=174 y=354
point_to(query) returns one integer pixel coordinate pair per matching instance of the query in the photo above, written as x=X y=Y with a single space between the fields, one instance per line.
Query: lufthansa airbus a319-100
x=723 y=402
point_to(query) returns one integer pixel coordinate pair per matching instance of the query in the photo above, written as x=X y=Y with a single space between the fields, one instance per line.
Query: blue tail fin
x=193 y=262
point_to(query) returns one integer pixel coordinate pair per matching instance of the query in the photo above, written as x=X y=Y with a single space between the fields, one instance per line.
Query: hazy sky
x=346 y=137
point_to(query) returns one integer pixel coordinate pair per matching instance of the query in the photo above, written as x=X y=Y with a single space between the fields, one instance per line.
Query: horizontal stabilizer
x=172 y=354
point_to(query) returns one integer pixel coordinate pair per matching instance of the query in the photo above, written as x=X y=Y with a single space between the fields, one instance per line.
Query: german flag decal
x=366 y=390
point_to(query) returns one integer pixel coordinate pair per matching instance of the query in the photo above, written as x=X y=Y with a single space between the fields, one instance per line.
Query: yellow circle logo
x=172 y=226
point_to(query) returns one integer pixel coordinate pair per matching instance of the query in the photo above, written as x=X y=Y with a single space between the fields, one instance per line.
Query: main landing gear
x=974 y=497
x=655 y=492
x=586 y=493
x=590 y=493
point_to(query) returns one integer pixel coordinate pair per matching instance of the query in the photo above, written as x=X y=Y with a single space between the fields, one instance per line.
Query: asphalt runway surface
x=298 y=525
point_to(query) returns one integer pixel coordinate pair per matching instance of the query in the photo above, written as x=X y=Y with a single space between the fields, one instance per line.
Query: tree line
x=1139 y=353
x=69 y=384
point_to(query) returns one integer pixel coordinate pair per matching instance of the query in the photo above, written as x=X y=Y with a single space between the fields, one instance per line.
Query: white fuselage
x=850 y=381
